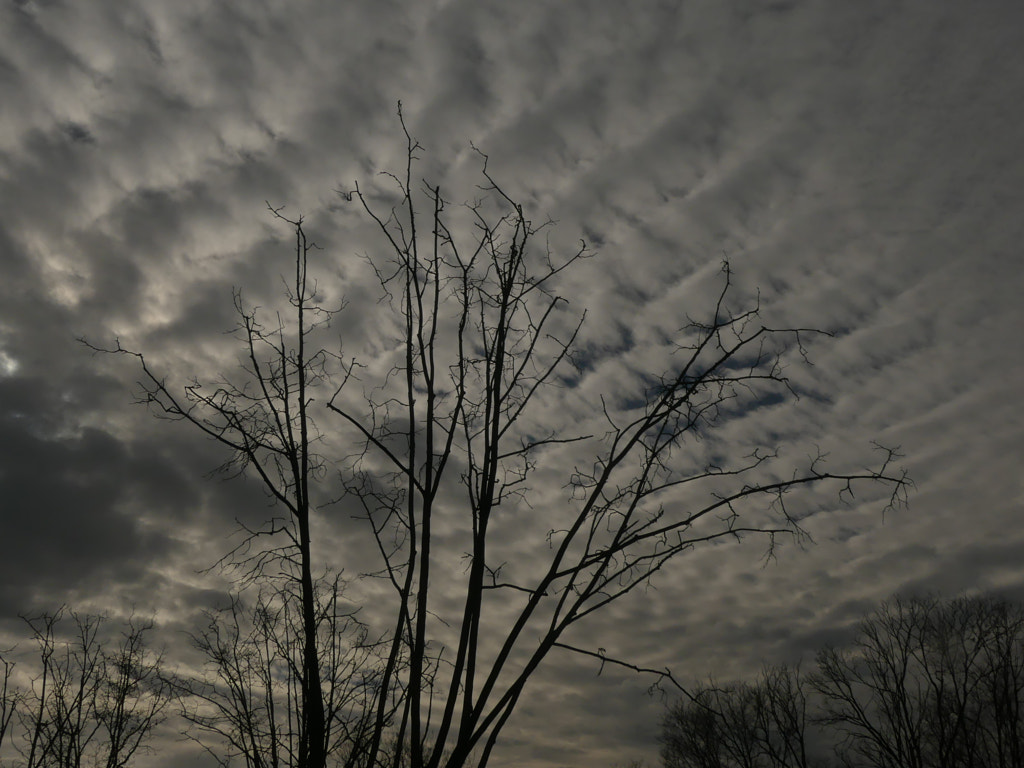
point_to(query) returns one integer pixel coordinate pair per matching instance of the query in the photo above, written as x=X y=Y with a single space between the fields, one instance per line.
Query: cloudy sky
x=859 y=162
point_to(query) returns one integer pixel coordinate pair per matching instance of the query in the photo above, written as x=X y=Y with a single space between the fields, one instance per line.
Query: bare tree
x=784 y=721
x=89 y=704
x=132 y=698
x=1002 y=685
x=762 y=724
x=452 y=436
x=64 y=695
x=10 y=698
x=692 y=733
x=929 y=683
x=245 y=703
x=450 y=439
x=263 y=418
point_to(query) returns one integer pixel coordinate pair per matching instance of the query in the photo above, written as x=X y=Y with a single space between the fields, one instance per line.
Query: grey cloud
x=71 y=524
x=858 y=163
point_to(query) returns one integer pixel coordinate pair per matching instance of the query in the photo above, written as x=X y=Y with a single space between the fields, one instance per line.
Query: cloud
x=857 y=165
x=75 y=505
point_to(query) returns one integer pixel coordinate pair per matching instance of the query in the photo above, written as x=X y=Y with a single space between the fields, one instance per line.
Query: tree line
x=926 y=683
x=431 y=439
x=88 y=699
x=89 y=692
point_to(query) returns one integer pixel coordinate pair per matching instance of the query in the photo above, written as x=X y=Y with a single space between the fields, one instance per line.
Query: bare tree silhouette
x=91 y=703
x=263 y=418
x=244 y=704
x=451 y=439
x=925 y=683
x=447 y=444
x=765 y=723
x=929 y=683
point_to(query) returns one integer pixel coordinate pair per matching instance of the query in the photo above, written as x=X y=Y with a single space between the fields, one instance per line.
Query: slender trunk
x=314 y=741
x=313 y=747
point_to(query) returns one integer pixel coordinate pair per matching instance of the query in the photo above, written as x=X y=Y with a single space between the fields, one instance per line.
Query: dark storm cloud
x=74 y=505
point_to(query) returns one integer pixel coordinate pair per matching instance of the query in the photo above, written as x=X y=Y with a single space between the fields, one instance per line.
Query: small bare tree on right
x=929 y=683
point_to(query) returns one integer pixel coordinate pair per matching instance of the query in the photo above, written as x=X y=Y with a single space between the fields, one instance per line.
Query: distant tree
x=784 y=717
x=90 y=704
x=692 y=734
x=244 y=703
x=928 y=684
x=762 y=724
x=9 y=699
x=444 y=444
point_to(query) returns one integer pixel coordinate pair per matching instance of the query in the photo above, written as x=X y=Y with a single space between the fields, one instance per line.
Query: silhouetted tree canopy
x=926 y=683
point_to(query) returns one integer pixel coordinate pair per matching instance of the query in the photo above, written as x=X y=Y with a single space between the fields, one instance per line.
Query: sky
x=858 y=163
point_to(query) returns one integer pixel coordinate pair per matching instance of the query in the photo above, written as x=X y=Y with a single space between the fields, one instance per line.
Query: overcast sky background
x=859 y=161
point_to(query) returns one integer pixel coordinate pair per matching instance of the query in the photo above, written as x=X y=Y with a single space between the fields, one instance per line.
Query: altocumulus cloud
x=856 y=162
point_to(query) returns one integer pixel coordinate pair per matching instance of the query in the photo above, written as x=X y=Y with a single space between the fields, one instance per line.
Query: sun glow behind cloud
x=8 y=365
